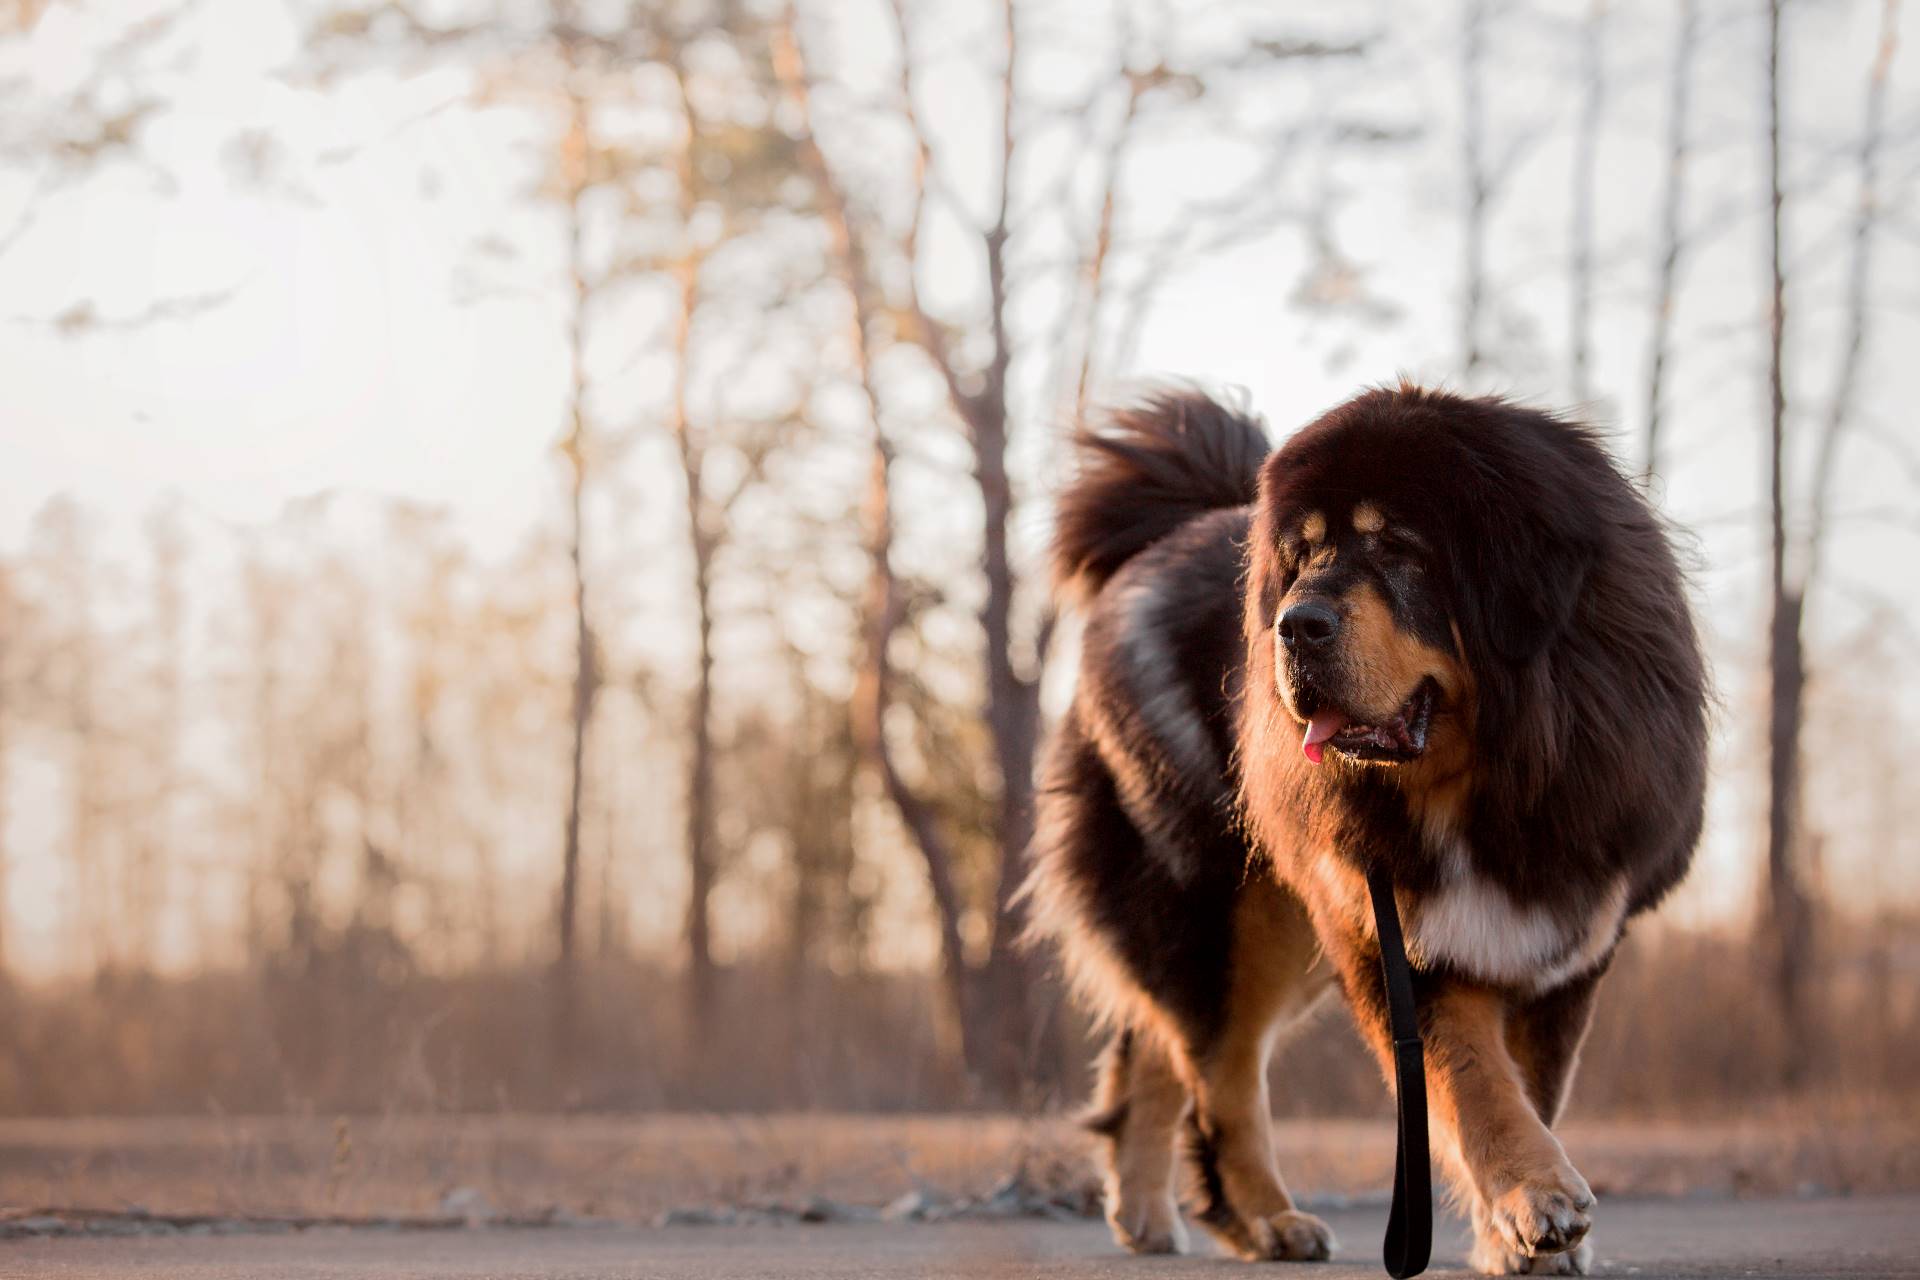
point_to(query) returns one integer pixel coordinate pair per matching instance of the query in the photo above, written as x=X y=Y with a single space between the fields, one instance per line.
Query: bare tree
x=702 y=541
x=1672 y=238
x=994 y=1019
x=1789 y=914
x=431 y=828
x=72 y=674
x=575 y=449
x=812 y=805
x=152 y=850
x=705 y=521
x=1843 y=403
x=1099 y=251
x=97 y=124
x=608 y=186
x=1492 y=148
x=557 y=64
x=881 y=609
x=972 y=357
x=731 y=169
x=1586 y=162
x=1788 y=923
x=1013 y=698
x=1478 y=171
x=979 y=398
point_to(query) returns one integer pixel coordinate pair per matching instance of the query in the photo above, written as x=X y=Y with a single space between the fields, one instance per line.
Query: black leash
x=1409 y=1240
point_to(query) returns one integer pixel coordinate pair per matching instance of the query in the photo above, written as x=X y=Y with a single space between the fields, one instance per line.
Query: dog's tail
x=1142 y=472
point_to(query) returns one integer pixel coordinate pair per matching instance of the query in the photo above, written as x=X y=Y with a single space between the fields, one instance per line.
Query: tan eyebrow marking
x=1367 y=519
x=1314 y=527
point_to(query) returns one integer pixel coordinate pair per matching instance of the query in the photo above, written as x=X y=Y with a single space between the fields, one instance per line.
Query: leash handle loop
x=1409 y=1241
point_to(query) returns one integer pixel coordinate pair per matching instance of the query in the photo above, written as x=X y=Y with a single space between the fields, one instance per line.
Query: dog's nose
x=1308 y=626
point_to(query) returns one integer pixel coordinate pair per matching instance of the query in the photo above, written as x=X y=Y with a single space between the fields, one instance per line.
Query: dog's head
x=1408 y=552
x=1362 y=635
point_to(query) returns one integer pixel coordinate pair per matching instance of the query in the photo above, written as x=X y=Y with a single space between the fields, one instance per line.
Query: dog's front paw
x=1491 y=1257
x=1292 y=1236
x=1148 y=1223
x=1545 y=1214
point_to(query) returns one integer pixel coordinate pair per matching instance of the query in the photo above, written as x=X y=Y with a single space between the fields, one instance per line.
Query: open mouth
x=1393 y=741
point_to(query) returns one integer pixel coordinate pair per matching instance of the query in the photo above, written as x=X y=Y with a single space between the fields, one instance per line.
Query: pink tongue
x=1319 y=729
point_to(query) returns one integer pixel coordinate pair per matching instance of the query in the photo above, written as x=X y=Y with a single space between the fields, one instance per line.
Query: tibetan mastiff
x=1435 y=633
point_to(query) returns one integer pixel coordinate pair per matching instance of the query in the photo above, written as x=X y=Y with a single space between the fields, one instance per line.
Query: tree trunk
x=700 y=851
x=806 y=909
x=870 y=700
x=585 y=677
x=1853 y=350
x=1094 y=272
x=702 y=540
x=1479 y=190
x=566 y=974
x=1788 y=919
x=1012 y=700
x=1586 y=161
x=153 y=848
x=880 y=608
x=1013 y=721
x=1790 y=916
x=87 y=773
x=996 y=1017
x=700 y=826
x=607 y=941
x=1672 y=237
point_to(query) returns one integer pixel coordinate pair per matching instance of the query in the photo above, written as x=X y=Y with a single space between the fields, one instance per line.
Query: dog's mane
x=1590 y=686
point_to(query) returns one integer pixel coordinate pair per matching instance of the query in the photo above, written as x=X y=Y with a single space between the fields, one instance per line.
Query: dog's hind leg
x=1138 y=1106
x=1240 y=1195
x=1544 y=1035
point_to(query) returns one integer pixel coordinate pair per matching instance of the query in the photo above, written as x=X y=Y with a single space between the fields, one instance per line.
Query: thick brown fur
x=1470 y=575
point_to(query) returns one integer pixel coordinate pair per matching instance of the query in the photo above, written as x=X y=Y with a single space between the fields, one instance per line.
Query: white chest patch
x=1472 y=924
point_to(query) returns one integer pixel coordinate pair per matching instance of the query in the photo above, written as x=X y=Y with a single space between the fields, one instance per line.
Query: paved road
x=1867 y=1236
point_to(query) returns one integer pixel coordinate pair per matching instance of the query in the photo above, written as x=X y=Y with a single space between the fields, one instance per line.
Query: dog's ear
x=1521 y=583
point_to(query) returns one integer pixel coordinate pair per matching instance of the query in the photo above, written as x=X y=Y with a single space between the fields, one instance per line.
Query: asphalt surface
x=1864 y=1236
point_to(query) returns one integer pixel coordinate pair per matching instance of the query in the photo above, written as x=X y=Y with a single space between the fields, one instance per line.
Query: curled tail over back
x=1143 y=471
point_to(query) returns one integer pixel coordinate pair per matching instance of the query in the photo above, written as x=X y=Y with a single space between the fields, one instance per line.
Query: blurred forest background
x=520 y=521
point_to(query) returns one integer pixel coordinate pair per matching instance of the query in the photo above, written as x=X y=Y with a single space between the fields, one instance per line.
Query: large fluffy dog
x=1435 y=633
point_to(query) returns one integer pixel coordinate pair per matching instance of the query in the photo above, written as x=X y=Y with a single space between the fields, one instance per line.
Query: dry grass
x=1684 y=1025
x=635 y=1168
x=840 y=1089
x=597 y=1166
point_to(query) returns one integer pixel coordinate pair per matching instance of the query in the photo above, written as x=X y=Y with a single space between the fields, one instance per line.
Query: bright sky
x=380 y=317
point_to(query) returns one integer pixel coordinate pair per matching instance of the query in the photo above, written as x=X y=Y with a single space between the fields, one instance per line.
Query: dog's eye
x=1398 y=546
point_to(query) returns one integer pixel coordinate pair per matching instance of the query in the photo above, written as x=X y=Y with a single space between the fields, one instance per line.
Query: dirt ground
x=637 y=1169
